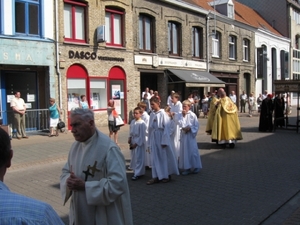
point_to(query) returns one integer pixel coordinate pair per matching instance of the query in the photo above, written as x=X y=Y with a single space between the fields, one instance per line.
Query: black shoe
x=135 y=178
x=231 y=145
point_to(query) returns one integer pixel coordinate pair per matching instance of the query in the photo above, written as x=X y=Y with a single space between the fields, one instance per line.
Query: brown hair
x=138 y=109
x=142 y=105
x=52 y=99
x=155 y=100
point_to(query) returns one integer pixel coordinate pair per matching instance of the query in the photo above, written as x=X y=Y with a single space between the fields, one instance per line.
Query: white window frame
x=246 y=54
x=232 y=47
x=216 y=45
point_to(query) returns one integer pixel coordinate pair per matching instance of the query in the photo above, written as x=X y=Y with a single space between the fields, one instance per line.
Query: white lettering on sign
x=5 y=55
x=29 y=58
x=18 y=56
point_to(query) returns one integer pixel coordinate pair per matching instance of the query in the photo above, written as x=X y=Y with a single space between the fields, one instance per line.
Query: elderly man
x=226 y=125
x=232 y=96
x=95 y=176
x=19 y=209
x=18 y=106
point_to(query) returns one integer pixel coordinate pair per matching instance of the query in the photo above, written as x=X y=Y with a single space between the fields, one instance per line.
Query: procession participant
x=176 y=109
x=189 y=158
x=138 y=143
x=145 y=117
x=226 y=126
x=212 y=111
x=94 y=176
x=163 y=158
x=266 y=115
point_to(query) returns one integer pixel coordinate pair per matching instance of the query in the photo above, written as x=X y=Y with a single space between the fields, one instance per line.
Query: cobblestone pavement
x=257 y=182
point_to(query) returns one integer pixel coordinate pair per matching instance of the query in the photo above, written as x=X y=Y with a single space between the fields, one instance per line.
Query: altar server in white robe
x=189 y=157
x=176 y=109
x=137 y=142
x=163 y=158
x=146 y=117
x=94 y=176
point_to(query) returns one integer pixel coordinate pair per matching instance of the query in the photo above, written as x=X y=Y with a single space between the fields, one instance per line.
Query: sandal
x=152 y=181
x=50 y=135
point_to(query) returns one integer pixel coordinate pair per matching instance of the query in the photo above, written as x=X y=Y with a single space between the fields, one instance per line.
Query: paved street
x=258 y=182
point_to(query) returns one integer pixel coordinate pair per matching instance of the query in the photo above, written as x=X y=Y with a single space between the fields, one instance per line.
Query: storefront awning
x=193 y=78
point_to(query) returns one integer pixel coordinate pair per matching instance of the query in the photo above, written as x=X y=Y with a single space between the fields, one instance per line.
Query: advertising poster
x=116 y=91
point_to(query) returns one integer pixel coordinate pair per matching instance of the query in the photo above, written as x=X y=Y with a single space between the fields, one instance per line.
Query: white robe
x=138 y=136
x=177 y=109
x=163 y=160
x=106 y=199
x=146 y=119
x=189 y=157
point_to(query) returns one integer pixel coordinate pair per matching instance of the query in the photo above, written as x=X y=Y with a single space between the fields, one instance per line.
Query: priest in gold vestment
x=226 y=127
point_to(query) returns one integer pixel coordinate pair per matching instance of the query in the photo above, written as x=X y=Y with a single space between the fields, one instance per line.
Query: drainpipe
x=57 y=53
x=207 y=43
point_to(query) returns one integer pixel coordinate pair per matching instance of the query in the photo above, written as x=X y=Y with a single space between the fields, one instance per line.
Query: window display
x=98 y=96
x=76 y=87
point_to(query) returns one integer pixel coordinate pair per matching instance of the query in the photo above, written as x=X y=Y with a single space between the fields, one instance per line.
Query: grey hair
x=83 y=113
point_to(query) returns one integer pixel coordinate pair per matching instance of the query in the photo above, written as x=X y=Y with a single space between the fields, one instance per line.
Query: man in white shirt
x=243 y=99
x=232 y=96
x=264 y=95
x=169 y=100
x=18 y=106
x=146 y=92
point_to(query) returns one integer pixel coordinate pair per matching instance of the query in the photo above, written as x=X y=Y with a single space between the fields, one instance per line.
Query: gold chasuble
x=226 y=124
x=211 y=115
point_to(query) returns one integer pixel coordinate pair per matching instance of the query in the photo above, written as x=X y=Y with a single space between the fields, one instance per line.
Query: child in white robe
x=189 y=157
x=176 y=109
x=137 y=142
x=145 y=116
x=163 y=158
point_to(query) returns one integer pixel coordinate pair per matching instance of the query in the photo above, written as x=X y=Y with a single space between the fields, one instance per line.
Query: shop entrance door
x=23 y=82
x=117 y=94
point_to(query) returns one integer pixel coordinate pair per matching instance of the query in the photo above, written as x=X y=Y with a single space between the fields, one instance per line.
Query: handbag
x=61 y=125
x=119 y=121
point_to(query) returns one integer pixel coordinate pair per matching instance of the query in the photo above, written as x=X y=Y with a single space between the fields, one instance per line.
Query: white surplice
x=177 y=109
x=145 y=116
x=189 y=157
x=164 y=162
x=106 y=199
x=138 y=136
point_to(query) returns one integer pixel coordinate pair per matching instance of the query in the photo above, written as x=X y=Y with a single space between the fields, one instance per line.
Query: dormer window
x=230 y=11
x=225 y=7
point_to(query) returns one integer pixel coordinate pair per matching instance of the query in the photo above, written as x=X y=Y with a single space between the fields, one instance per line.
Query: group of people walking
x=165 y=140
x=272 y=106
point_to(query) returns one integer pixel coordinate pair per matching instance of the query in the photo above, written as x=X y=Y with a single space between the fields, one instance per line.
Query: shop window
x=174 y=38
x=232 y=47
x=196 y=42
x=76 y=88
x=114 y=27
x=98 y=94
x=27 y=17
x=246 y=46
x=216 y=39
x=74 y=21
x=146 y=33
